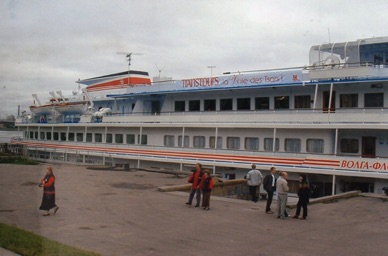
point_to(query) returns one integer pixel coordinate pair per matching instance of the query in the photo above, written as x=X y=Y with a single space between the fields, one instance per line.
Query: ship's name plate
x=365 y=165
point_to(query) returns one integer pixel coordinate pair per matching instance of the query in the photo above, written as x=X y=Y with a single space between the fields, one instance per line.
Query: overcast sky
x=47 y=45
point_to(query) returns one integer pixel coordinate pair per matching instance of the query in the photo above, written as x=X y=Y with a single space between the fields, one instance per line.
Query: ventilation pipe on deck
x=88 y=96
x=37 y=99
x=54 y=96
x=61 y=96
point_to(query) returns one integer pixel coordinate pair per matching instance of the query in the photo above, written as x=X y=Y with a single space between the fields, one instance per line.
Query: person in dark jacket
x=304 y=196
x=48 y=200
x=206 y=185
x=270 y=186
x=195 y=180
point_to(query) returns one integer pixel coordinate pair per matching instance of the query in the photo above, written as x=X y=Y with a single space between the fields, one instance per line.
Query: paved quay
x=4 y=252
x=123 y=213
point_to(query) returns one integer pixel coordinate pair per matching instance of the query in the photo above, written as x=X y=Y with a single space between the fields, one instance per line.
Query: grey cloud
x=48 y=45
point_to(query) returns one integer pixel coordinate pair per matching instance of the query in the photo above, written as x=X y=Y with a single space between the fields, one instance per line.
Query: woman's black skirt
x=48 y=202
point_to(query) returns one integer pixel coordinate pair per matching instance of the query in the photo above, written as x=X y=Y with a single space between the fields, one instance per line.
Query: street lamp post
x=211 y=70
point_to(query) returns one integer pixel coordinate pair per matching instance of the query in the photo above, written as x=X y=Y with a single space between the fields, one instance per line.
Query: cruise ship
x=328 y=120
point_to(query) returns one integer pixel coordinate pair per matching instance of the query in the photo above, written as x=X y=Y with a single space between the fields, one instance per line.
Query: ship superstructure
x=328 y=119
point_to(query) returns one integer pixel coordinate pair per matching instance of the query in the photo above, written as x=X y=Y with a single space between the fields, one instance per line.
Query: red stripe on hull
x=204 y=156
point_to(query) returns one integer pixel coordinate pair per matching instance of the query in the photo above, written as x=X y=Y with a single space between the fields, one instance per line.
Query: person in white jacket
x=254 y=179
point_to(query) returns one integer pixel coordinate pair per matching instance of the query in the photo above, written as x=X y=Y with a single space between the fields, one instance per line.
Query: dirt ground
x=122 y=213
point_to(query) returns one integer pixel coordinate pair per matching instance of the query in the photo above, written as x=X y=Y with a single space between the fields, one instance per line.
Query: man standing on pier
x=270 y=186
x=282 y=189
x=255 y=179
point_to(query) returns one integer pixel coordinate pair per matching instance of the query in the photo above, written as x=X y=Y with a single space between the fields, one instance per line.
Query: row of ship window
x=293 y=145
x=371 y=100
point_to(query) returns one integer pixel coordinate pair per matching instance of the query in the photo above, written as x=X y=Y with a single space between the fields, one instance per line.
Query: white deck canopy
x=363 y=58
x=350 y=54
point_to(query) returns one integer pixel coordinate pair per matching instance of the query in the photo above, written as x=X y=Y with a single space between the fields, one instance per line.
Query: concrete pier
x=123 y=213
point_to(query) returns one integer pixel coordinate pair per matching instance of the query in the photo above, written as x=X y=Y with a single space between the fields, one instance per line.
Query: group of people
x=272 y=184
x=202 y=183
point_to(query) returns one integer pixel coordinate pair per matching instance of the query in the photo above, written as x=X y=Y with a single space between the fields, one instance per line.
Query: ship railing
x=323 y=65
x=346 y=71
x=339 y=115
x=342 y=115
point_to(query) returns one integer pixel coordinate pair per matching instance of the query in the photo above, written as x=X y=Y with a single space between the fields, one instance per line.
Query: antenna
x=328 y=31
x=128 y=55
x=160 y=70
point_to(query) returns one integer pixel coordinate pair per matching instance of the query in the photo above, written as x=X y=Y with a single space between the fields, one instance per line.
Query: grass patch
x=29 y=244
x=11 y=159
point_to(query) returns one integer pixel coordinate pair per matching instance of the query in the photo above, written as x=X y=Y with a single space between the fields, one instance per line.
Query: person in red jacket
x=195 y=180
x=206 y=185
x=48 y=200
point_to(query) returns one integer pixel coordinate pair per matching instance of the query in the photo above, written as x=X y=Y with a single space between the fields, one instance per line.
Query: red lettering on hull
x=364 y=165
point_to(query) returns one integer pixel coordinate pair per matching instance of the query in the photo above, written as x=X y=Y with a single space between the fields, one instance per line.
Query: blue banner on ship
x=267 y=78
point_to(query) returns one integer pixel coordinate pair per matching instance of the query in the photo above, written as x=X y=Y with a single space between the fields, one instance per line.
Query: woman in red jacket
x=48 y=200
x=206 y=185
x=195 y=180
